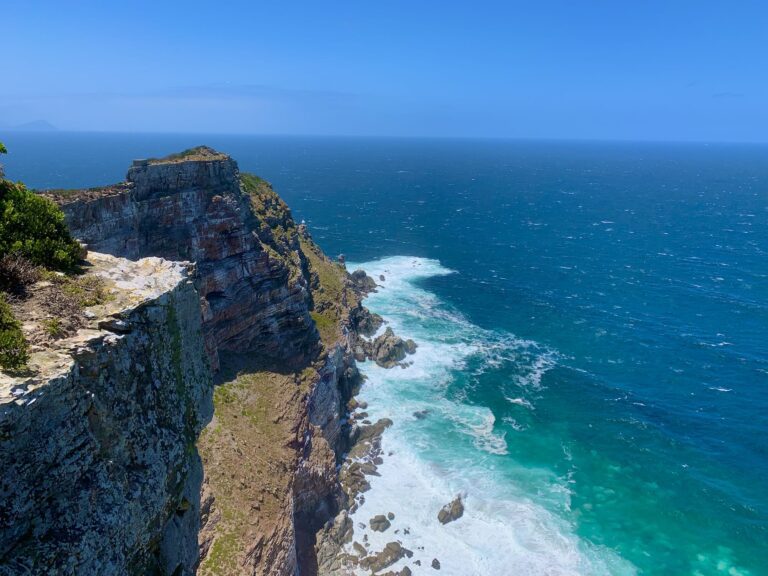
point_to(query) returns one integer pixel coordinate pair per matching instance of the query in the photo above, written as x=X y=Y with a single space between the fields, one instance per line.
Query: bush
x=13 y=345
x=34 y=228
x=16 y=273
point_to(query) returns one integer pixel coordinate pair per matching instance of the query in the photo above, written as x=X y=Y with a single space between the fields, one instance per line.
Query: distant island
x=33 y=126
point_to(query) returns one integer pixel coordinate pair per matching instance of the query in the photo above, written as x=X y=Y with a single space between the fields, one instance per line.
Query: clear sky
x=626 y=69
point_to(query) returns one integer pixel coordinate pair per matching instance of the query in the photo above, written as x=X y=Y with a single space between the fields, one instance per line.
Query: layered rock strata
x=196 y=207
x=280 y=324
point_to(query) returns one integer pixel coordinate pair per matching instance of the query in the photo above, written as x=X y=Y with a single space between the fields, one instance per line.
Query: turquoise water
x=592 y=320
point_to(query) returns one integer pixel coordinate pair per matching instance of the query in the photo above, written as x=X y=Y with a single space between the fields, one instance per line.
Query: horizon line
x=389 y=136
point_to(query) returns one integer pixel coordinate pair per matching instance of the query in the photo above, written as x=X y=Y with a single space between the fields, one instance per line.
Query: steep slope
x=279 y=325
x=193 y=206
x=97 y=441
x=271 y=451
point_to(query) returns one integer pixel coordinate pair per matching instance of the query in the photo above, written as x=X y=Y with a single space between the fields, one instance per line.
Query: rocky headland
x=197 y=420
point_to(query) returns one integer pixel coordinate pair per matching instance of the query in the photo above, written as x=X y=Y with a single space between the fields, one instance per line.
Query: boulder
x=379 y=523
x=389 y=350
x=451 y=511
x=364 y=321
x=362 y=281
x=392 y=552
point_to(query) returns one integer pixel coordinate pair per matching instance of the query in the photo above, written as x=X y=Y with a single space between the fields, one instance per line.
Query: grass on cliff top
x=329 y=293
x=13 y=344
x=66 y=195
x=249 y=454
x=269 y=207
x=190 y=154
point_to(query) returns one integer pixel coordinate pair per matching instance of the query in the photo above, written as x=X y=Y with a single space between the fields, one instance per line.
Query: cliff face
x=272 y=449
x=277 y=324
x=101 y=474
x=196 y=208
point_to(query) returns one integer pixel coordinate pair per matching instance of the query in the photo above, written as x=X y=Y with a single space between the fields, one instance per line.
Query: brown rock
x=379 y=523
x=451 y=511
x=389 y=350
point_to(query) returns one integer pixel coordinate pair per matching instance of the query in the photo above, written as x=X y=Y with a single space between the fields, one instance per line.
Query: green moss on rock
x=13 y=345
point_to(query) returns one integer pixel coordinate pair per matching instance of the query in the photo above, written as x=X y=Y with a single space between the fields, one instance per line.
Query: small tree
x=34 y=228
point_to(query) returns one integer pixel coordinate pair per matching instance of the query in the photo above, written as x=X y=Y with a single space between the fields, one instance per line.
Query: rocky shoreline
x=364 y=456
x=257 y=452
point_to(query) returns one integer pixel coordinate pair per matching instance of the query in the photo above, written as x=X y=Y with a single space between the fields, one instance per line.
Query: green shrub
x=13 y=345
x=34 y=227
x=2 y=151
x=53 y=327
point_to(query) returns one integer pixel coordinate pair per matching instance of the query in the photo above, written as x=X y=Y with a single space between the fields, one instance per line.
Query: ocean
x=592 y=327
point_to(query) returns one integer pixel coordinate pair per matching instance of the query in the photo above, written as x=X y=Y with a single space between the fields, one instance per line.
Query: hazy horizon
x=564 y=139
x=651 y=72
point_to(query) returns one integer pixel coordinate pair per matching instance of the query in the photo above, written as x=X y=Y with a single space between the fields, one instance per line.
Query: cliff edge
x=279 y=325
x=101 y=474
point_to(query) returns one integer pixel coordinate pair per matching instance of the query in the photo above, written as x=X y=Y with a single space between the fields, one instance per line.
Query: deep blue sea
x=592 y=321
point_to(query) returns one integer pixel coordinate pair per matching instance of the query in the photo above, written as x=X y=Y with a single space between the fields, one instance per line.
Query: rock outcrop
x=101 y=443
x=100 y=470
x=197 y=207
x=451 y=511
x=387 y=350
x=364 y=283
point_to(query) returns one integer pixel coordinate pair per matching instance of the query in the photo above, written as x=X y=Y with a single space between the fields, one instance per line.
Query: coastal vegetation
x=35 y=244
x=13 y=345
x=190 y=154
x=328 y=292
x=33 y=228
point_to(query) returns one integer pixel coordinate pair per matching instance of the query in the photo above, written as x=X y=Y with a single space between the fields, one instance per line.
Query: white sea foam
x=455 y=447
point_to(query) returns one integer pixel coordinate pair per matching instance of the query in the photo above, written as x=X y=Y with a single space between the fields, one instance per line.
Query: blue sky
x=658 y=70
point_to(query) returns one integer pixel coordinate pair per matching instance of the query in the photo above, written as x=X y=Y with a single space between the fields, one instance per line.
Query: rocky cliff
x=101 y=474
x=196 y=207
x=278 y=323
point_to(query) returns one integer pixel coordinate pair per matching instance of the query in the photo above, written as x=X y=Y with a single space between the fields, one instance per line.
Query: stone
x=363 y=282
x=451 y=511
x=388 y=350
x=365 y=322
x=392 y=552
x=360 y=549
x=379 y=523
x=90 y=435
x=197 y=210
x=436 y=564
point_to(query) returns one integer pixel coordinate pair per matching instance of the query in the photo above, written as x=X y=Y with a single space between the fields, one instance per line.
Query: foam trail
x=459 y=448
